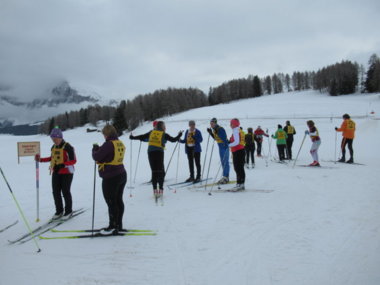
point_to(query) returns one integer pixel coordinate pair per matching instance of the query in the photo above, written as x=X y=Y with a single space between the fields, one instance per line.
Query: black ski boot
x=190 y=179
x=196 y=180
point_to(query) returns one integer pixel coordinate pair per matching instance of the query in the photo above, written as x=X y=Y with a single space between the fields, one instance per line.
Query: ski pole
x=137 y=164
x=204 y=161
x=270 y=146
x=299 y=150
x=176 y=173
x=38 y=190
x=217 y=173
x=166 y=170
x=21 y=212
x=209 y=164
x=342 y=147
x=130 y=170
x=93 y=201
x=336 y=139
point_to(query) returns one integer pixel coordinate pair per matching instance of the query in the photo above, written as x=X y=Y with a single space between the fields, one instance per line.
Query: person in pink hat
x=237 y=142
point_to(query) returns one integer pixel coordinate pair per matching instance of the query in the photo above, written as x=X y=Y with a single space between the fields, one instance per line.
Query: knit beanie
x=235 y=123
x=214 y=120
x=56 y=133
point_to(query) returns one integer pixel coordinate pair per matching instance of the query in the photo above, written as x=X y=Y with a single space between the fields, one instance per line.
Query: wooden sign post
x=27 y=149
x=31 y=149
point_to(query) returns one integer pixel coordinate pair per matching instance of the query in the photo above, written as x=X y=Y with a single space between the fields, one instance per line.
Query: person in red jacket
x=259 y=133
x=237 y=143
x=62 y=160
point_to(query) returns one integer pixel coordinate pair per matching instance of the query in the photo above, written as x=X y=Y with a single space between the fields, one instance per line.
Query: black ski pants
x=113 y=189
x=259 y=144
x=238 y=158
x=289 y=144
x=250 y=153
x=61 y=184
x=156 y=162
x=347 y=142
x=194 y=156
x=281 y=151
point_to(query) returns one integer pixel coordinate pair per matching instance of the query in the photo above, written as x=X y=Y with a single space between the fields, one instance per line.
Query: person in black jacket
x=250 y=147
x=157 y=139
x=290 y=131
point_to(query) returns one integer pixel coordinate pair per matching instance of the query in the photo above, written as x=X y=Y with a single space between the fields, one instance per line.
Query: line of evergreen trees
x=341 y=78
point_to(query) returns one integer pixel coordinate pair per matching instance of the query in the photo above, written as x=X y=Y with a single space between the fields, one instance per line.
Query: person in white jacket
x=316 y=140
x=237 y=143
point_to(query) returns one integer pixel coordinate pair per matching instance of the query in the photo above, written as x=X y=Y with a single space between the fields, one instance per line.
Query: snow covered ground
x=317 y=226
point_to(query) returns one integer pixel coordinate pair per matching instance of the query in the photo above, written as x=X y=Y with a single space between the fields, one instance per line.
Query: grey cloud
x=125 y=48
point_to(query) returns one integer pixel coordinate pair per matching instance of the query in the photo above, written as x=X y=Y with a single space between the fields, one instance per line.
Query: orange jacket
x=347 y=128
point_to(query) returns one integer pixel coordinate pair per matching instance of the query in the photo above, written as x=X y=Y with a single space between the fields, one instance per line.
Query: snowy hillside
x=291 y=226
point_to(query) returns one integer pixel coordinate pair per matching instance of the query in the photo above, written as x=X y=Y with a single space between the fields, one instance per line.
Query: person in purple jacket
x=109 y=158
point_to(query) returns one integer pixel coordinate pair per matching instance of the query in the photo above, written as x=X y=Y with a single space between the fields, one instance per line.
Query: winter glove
x=131 y=137
x=209 y=131
x=58 y=167
x=37 y=157
x=307 y=132
x=95 y=147
x=178 y=137
x=336 y=128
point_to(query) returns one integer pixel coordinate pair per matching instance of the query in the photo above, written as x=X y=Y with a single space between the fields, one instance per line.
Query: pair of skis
x=214 y=184
x=228 y=188
x=187 y=184
x=96 y=233
x=49 y=225
x=353 y=163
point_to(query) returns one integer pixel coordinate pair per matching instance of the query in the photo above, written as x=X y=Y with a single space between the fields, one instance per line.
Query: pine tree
x=118 y=120
x=372 y=83
x=257 y=89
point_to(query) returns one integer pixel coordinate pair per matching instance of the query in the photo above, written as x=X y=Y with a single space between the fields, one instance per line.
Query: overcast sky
x=120 y=49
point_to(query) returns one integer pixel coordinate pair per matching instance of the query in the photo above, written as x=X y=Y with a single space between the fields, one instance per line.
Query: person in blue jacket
x=219 y=135
x=192 y=141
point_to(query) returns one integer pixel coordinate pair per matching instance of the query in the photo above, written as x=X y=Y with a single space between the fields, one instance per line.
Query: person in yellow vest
x=192 y=141
x=281 y=137
x=219 y=135
x=290 y=131
x=62 y=162
x=347 y=128
x=109 y=158
x=237 y=143
x=157 y=139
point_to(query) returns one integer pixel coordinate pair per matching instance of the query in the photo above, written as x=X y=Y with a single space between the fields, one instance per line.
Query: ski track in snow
x=318 y=226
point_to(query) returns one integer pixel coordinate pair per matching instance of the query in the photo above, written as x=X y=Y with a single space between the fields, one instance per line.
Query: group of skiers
x=110 y=155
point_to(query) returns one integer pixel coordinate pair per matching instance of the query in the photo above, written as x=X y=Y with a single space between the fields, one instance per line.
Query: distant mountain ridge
x=19 y=116
x=61 y=94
